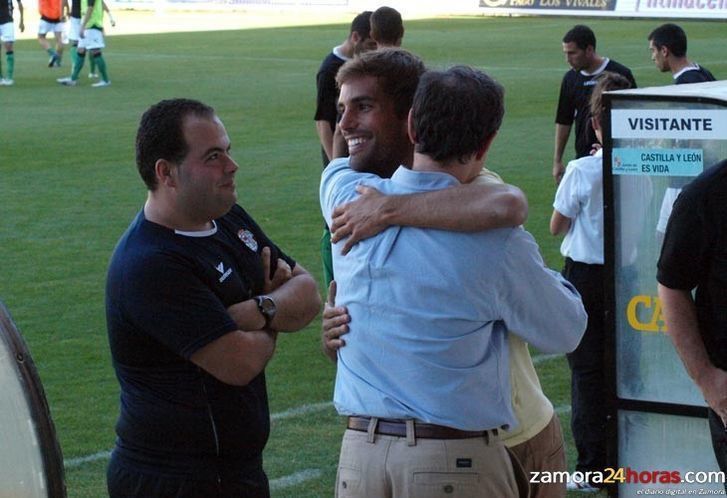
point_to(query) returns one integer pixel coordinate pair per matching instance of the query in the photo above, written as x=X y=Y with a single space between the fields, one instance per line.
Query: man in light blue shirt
x=430 y=308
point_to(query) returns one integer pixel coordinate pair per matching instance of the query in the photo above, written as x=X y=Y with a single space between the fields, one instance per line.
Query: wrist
x=391 y=209
x=704 y=376
x=267 y=309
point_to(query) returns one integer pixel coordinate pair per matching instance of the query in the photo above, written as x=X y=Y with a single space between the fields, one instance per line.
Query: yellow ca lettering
x=643 y=305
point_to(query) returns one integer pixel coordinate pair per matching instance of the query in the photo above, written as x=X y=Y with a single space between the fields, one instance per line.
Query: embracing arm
x=680 y=314
x=334 y=325
x=467 y=208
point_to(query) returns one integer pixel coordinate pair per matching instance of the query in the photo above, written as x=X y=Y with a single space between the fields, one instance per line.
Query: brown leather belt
x=397 y=427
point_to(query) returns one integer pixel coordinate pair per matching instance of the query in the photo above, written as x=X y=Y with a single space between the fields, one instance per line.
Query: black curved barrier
x=31 y=463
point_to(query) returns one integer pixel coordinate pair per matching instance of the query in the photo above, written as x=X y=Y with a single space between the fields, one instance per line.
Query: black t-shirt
x=694 y=254
x=575 y=92
x=76 y=9
x=698 y=75
x=6 y=11
x=166 y=297
x=327 y=93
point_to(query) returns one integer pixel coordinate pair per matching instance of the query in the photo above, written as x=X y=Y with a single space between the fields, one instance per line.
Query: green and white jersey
x=96 y=20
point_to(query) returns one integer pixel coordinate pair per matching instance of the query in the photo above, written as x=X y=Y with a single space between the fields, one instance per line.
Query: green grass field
x=69 y=188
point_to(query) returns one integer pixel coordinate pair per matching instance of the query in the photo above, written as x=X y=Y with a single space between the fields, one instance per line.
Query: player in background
x=51 y=21
x=579 y=47
x=90 y=38
x=74 y=29
x=578 y=213
x=7 y=38
x=92 y=68
x=668 y=47
x=359 y=40
x=387 y=28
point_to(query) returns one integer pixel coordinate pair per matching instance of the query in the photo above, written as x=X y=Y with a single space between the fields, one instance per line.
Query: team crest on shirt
x=248 y=238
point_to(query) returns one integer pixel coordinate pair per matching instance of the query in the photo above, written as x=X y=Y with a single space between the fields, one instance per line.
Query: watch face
x=267 y=306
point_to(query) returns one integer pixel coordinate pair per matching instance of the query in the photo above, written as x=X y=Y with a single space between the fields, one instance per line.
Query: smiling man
x=424 y=373
x=195 y=296
x=579 y=47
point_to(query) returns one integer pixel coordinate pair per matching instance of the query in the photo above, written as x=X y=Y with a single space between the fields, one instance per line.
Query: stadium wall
x=698 y=9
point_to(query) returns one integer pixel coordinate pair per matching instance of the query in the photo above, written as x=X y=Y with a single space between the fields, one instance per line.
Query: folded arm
x=238 y=357
x=296 y=300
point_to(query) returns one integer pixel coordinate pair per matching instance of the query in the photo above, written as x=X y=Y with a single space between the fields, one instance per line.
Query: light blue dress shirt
x=430 y=310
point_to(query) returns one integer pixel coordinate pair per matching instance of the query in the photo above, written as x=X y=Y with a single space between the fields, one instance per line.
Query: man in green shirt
x=91 y=38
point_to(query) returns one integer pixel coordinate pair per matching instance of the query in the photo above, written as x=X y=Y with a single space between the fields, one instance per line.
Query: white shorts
x=92 y=39
x=73 y=29
x=50 y=27
x=7 y=32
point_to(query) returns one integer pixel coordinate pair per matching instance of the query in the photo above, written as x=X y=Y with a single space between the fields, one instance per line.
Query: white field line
x=281 y=482
x=293 y=412
x=295 y=479
x=79 y=461
x=301 y=410
x=542 y=358
x=562 y=410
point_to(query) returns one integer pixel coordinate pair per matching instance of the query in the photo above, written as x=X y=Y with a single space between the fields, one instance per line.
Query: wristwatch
x=267 y=308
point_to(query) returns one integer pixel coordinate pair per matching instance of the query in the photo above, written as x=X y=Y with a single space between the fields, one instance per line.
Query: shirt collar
x=199 y=233
x=338 y=53
x=691 y=67
x=598 y=70
x=423 y=180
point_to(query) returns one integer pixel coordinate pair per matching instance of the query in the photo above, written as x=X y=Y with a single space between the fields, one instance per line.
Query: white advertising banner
x=699 y=9
x=702 y=9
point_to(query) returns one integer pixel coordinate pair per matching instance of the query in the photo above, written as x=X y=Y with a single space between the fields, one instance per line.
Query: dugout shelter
x=656 y=140
x=31 y=463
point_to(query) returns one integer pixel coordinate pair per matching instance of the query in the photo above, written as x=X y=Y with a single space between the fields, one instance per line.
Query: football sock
x=78 y=66
x=10 y=56
x=101 y=63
